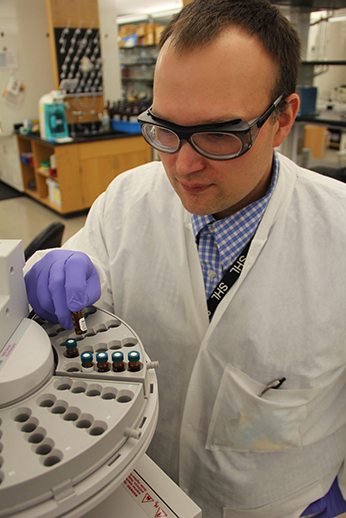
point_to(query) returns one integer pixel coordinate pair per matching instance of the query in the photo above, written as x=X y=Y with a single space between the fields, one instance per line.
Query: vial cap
x=117 y=357
x=86 y=357
x=102 y=357
x=71 y=343
x=133 y=356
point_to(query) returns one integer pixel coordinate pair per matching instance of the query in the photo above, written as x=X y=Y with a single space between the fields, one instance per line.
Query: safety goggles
x=219 y=141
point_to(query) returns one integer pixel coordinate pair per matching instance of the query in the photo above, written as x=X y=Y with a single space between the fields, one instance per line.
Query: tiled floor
x=23 y=218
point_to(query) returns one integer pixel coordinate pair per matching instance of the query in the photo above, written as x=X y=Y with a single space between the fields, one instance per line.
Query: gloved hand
x=331 y=505
x=61 y=282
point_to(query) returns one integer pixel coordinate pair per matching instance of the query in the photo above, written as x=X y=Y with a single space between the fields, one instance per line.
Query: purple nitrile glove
x=61 y=282
x=331 y=505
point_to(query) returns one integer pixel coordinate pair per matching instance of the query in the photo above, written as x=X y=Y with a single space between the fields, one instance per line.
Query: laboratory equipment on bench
x=73 y=437
x=52 y=116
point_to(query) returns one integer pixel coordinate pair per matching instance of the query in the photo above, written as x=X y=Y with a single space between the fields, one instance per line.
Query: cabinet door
x=102 y=161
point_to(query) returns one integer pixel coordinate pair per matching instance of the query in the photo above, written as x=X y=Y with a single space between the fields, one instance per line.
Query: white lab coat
x=237 y=455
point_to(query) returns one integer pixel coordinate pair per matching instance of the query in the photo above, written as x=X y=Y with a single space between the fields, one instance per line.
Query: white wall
x=109 y=50
x=25 y=28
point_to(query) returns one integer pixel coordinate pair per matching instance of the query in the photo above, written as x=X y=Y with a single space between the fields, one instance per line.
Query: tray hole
x=125 y=396
x=45 y=448
x=100 y=328
x=73 y=367
x=90 y=332
x=85 y=421
x=60 y=407
x=114 y=345
x=94 y=390
x=46 y=401
x=65 y=384
x=30 y=426
x=79 y=388
x=54 y=458
x=129 y=342
x=113 y=323
x=72 y=414
x=109 y=393
x=98 y=428
x=36 y=437
x=1 y=477
x=23 y=414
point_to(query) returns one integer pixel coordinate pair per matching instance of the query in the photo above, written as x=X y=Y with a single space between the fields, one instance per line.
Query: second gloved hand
x=61 y=282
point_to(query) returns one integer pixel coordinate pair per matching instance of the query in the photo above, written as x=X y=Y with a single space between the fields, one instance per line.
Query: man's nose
x=188 y=159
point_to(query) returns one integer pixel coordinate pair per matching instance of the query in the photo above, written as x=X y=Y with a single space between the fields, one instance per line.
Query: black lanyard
x=227 y=281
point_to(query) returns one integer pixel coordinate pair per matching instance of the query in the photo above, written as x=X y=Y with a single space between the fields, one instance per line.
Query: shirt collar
x=198 y=222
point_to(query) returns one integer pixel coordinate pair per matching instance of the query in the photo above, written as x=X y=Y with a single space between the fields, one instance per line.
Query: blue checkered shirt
x=220 y=242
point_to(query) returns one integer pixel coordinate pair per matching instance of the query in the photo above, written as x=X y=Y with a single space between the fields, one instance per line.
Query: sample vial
x=71 y=348
x=118 y=361
x=134 y=363
x=102 y=362
x=87 y=361
x=79 y=322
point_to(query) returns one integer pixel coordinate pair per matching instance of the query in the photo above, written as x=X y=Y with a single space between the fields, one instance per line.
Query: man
x=162 y=237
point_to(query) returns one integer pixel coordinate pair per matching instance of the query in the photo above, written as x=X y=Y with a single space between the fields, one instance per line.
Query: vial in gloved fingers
x=102 y=362
x=79 y=322
x=133 y=361
x=87 y=361
x=71 y=348
x=118 y=361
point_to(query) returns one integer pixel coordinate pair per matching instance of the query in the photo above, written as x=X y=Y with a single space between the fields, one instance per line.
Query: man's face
x=230 y=78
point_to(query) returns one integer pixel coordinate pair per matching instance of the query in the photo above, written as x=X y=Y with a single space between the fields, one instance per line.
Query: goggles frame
x=236 y=127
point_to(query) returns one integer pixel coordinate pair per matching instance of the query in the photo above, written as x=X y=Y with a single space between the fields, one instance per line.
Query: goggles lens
x=211 y=145
x=220 y=141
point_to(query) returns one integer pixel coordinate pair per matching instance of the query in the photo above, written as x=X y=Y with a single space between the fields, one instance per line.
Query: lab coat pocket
x=243 y=421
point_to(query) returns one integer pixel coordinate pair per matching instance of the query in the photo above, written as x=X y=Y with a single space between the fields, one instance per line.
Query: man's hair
x=201 y=21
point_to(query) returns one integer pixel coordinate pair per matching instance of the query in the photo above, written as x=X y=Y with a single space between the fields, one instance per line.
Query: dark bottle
x=71 y=348
x=118 y=361
x=102 y=362
x=133 y=361
x=79 y=322
x=87 y=361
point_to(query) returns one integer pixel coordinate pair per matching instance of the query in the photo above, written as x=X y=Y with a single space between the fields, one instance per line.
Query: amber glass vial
x=133 y=361
x=102 y=362
x=118 y=361
x=79 y=322
x=71 y=348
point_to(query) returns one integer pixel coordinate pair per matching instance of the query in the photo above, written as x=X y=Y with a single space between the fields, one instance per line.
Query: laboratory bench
x=68 y=176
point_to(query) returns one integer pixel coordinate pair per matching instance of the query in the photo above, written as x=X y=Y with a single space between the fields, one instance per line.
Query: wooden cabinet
x=102 y=161
x=84 y=170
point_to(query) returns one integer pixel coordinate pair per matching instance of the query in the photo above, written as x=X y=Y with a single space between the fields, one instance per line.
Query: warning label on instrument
x=146 y=498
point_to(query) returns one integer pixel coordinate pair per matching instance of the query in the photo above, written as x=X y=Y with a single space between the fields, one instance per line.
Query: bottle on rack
x=133 y=361
x=118 y=361
x=71 y=348
x=87 y=361
x=102 y=362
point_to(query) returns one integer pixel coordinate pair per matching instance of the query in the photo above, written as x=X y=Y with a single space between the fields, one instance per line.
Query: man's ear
x=286 y=119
